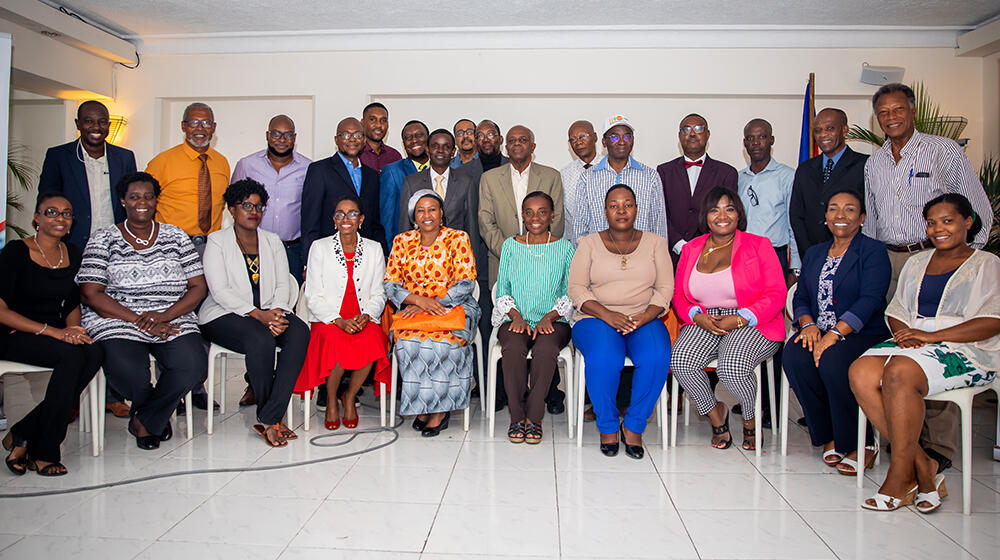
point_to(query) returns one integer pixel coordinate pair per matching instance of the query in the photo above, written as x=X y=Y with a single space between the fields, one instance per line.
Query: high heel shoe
x=633 y=451
x=933 y=497
x=884 y=502
x=331 y=424
x=143 y=442
x=353 y=423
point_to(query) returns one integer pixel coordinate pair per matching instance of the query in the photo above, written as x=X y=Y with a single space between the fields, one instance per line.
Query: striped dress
x=533 y=279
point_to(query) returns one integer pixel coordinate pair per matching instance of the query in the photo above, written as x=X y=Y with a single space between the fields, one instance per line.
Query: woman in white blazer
x=345 y=300
x=249 y=306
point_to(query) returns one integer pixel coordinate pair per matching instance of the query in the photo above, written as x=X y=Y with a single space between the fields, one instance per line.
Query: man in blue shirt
x=391 y=181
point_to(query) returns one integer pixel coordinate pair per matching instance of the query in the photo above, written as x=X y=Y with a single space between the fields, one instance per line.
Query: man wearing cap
x=616 y=167
x=687 y=179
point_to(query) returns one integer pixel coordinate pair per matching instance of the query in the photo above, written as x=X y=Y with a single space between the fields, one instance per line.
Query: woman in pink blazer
x=729 y=292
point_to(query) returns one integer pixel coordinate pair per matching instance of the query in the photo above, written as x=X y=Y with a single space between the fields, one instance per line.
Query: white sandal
x=832 y=453
x=850 y=466
x=933 y=497
x=889 y=503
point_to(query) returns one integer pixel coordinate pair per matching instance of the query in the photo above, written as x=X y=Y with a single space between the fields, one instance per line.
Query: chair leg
x=468 y=413
x=966 y=408
x=102 y=399
x=862 y=424
x=784 y=413
x=392 y=392
x=571 y=411
x=491 y=396
x=771 y=388
x=307 y=409
x=996 y=445
x=381 y=404
x=222 y=385
x=664 y=402
x=95 y=412
x=758 y=407
x=188 y=408
x=290 y=412
x=478 y=351
x=674 y=389
x=581 y=387
x=210 y=388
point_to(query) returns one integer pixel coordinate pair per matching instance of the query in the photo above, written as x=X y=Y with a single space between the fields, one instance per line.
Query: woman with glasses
x=249 y=308
x=40 y=320
x=345 y=300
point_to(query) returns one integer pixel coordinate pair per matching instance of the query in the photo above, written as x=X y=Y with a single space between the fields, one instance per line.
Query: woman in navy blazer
x=838 y=309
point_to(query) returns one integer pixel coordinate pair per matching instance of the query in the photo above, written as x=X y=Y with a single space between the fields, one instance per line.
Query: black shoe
x=555 y=407
x=943 y=462
x=610 y=449
x=200 y=401
x=321 y=398
x=433 y=432
x=144 y=442
x=419 y=424
x=802 y=422
x=181 y=409
x=633 y=451
x=168 y=433
x=765 y=420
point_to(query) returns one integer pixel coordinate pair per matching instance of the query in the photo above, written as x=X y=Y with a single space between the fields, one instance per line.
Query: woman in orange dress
x=431 y=272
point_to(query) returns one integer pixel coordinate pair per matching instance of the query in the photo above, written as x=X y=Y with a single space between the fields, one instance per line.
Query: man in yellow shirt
x=192 y=178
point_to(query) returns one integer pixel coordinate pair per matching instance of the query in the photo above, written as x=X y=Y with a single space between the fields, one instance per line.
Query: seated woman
x=620 y=281
x=432 y=272
x=534 y=309
x=140 y=282
x=730 y=294
x=345 y=299
x=249 y=306
x=838 y=308
x=40 y=320
x=945 y=323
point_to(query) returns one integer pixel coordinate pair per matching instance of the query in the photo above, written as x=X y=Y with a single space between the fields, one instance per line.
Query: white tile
x=611 y=490
x=589 y=458
x=7 y=540
x=204 y=484
x=460 y=529
x=643 y=533
x=244 y=520
x=799 y=460
x=314 y=481
x=503 y=455
x=299 y=553
x=78 y=548
x=26 y=515
x=167 y=550
x=984 y=498
x=753 y=534
x=391 y=484
x=699 y=459
x=731 y=491
x=879 y=535
x=436 y=556
x=822 y=492
x=979 y=534
x=124 y=512
x=367 y=526
x=502 y=487
x=415 y=453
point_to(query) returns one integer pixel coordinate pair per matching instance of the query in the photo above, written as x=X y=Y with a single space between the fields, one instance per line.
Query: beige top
x=596 y=274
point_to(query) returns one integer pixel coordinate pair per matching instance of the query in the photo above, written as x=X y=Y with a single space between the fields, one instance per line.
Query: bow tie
x=698 y=163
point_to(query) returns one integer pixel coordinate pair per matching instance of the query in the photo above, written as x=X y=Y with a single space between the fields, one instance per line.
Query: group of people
x=673 y=268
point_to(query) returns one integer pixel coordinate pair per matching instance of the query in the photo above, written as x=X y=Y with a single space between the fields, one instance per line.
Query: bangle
x=837 y=332
x=812 y=324
x=44 y=326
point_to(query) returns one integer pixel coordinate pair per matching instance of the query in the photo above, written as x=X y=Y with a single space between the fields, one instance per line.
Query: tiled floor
x=464 y=495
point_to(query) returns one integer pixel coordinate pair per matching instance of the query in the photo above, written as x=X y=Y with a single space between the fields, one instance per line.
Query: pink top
x=713 y=289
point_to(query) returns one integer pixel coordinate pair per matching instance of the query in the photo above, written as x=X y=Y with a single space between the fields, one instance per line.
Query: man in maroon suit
x=687 y=179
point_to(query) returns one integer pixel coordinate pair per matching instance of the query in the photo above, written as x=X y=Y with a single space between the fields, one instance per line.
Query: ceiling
x=137 y=19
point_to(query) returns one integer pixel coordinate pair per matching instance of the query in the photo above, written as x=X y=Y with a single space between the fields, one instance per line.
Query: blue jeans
x=604 y=350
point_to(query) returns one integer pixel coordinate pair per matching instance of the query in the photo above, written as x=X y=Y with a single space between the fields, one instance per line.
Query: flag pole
x=812 y=112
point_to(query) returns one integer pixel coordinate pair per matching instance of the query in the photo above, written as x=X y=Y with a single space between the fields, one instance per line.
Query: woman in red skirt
x=344 y=295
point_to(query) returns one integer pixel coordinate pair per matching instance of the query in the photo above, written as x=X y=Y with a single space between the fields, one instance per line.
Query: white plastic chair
x=89 y=412
x=785 y=387
x=565 y=354
x=581 y=387
x=963 y=398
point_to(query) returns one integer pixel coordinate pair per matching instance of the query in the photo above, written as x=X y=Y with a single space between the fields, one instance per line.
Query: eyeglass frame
x=615 y=138
x=350 y=215
x=275 y=135
x=358 y=135
x=247 y=206
x=687 y=129
x=53 y=213
x=205 y=125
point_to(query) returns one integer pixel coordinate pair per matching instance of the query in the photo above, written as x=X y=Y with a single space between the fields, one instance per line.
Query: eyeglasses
x=615 y=138
x=466 y=132
x=200 y=124
x=580 y=138
x=487 y=135
x=248 y=206
x=351 y=215
x=275 y=135
x=351 y=135
x=518 y=140
x=697 y=129
x=52 y=213
x=754 y=201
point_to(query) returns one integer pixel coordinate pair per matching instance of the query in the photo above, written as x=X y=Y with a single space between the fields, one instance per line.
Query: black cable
x=77 y=16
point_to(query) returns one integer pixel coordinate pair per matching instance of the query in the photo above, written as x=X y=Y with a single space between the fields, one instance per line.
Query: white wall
x=36 y=124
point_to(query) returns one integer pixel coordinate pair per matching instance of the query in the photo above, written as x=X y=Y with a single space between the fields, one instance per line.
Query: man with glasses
x=465 y=141
x=282 y=171
x=583 y=142
x=687 y=179
x=375 y=153
x=488 y=142
x=391 y=182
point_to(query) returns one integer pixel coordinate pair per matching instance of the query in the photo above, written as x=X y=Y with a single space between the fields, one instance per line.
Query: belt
x=911 y=248
x=198 y=240
x=292 y=242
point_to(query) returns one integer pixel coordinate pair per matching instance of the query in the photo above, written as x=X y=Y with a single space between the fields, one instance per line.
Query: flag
x=807 y=146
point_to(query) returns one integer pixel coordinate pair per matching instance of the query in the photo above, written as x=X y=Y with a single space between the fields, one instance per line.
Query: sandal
x=720 y=430
x=832 y=458
x=286 y=432
x=749 y=433
x=52 y=469
x=17 y=466
x=933 y=497
x=884 y=502
x=849 y=467
x=515 y=433
x=261 y=430
x=532 y=432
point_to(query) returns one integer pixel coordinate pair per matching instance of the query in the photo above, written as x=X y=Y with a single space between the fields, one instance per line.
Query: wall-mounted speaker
x=881 y=75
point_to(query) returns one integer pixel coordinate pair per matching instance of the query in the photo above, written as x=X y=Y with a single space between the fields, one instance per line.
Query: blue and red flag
x=807 y=146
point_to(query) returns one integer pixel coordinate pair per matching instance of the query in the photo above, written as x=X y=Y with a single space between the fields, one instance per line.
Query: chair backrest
x=475 y=290
x=493 y=293
x=788 y=301
x=293 y=291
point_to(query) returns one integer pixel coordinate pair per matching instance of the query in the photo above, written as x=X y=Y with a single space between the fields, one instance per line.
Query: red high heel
x=349 y=423
x=334 y=424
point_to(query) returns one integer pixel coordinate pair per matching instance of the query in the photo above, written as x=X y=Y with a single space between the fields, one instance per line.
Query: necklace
x=138 y=239
x=253 y=265
x=44 y=258
x=620 y=253
x=710 y=250
x=546 y=248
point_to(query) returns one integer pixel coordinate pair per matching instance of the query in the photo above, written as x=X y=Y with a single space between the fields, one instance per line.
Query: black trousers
x=183 y=361
x=271 y=384
x=73 y=366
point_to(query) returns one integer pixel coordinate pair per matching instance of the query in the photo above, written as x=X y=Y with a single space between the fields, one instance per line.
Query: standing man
x=376 y=153
x=86 y=171
x=465 y=140
x=282 y=171
x=616 y=167
x=461 y=198
x=687 y=179
x=583 y=142
x=837 y=167
x=900 y=177
x=192 y=178
x=330 y=178
x=488 y=142
x=391 y=182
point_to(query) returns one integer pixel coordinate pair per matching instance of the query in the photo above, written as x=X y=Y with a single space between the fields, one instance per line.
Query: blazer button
x=690 y=210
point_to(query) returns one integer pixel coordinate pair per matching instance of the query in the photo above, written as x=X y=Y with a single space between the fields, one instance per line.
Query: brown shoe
x=119 y=409
x=589 y=416
x=249 y=399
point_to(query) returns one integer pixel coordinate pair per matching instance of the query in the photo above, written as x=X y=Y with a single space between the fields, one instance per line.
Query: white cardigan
x=326 y=278
x=229 y=288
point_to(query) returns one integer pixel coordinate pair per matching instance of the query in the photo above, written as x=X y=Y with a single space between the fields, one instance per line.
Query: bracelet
x=812 y=324
x=44 y=326
x=835 y=331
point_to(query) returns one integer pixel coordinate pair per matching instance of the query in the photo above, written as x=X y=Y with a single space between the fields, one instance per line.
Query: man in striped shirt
x=583 y=142
x=900 y=177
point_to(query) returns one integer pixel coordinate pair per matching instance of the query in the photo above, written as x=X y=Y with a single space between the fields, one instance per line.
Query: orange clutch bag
x=453 y=320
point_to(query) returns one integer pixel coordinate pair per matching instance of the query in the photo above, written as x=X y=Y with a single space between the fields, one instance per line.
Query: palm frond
x=989 y=176
x=927 y=118
x=865 y=135
x=20 y=167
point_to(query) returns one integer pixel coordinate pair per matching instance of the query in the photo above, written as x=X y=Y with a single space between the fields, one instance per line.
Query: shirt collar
x=446 y=174
x=771 y=166
x=348 y=164
x=419 y=166
x=603 y=164
x=193 y=154
x=515 y=173
x=701 y=159
x=910 y=146
x=836 y=157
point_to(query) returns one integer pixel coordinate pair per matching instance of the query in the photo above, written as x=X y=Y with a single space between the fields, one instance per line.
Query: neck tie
x=421 y=166
x=204 y=196
x=439 y=186
x=587 y=165
x=698 y=163
x=827 y=170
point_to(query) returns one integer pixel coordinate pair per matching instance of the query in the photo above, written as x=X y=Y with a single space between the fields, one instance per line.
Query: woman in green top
x=531 y=299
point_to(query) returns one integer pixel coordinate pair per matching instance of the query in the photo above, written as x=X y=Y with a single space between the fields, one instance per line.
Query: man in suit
x=86 y=171
x=330 y=178
x=488 y=142
x=836 y=167
x=461 y=201
x=391 y=182
x=687 y=179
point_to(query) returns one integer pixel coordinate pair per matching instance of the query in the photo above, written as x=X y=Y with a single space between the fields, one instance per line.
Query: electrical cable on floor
x=315 y=441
